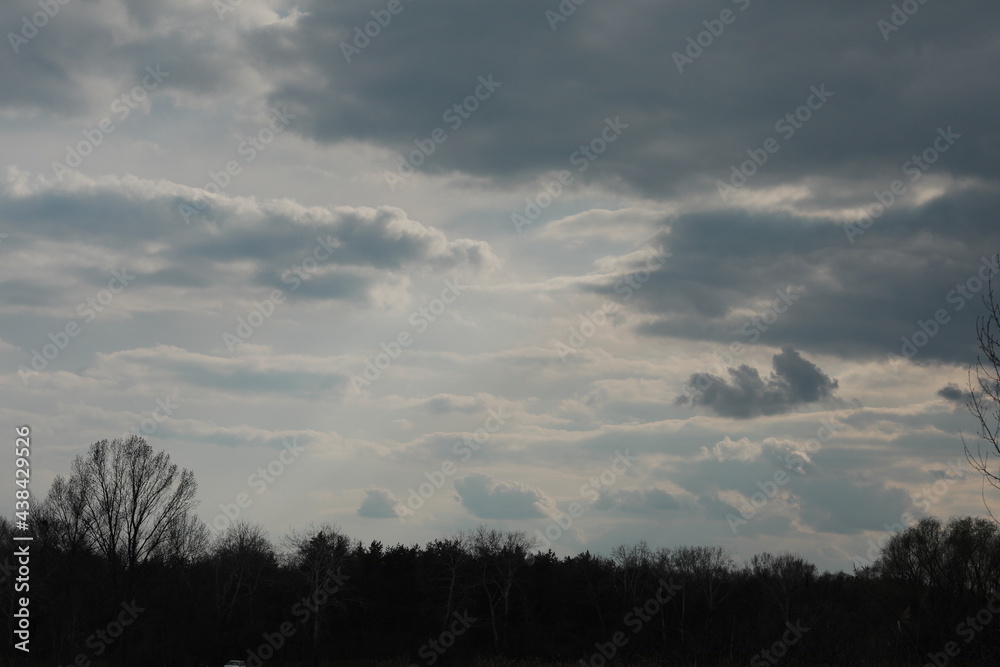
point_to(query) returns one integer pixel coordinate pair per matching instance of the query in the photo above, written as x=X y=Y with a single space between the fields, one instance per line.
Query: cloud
x=637 y=501
x=740 y=450
x=353 y=257
x=502 y=500
x=834 y=502
x=379 y=504
x=67 y=69
x=793 y=382
x=399 y=87
x=315 y=253
x=813 y=488
x=781 y=277
x=255 y=371
x=447 y=403
x=952 y=392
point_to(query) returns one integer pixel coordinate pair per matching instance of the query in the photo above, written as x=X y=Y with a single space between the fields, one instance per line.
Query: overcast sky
x=603 y=271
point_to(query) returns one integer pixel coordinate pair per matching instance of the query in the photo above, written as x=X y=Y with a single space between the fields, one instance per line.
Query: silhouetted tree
x=133 y=499
x=633 y=564
x=984 y=395
x=242 y=561
x=707 y=570
x=780 y=577
x=225 y=597
x=501 y=555
x=317 y=554
x=452 y=557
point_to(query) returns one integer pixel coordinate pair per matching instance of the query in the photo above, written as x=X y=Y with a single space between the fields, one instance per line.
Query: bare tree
x=915 y=556
x=453 y=555
x=501 y=555
x=780 y=577
x=633 y=566
x=59 y=524
x=7 y=568
x=984 y=396
x=317 y=553
x=973 y=555
x=187 y=541
x=961 y=555
x=133 y=499
x=241 y=559
x=708 y=569
x=62 y=514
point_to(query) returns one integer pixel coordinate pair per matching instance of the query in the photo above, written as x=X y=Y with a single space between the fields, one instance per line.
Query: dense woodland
x=124 y=573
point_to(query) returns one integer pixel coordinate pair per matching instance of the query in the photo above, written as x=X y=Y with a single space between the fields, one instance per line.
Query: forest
x=123 y=572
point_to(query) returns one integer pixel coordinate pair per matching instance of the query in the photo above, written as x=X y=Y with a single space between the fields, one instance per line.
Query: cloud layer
x=781 y=216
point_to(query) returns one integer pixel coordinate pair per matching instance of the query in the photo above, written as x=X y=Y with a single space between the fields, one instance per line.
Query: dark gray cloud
x=952 y=392
x=686 y=129
x=793 y=382
x=606 y=61
x=811 y=288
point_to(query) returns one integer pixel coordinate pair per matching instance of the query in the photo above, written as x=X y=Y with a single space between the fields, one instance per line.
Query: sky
x=686 y=272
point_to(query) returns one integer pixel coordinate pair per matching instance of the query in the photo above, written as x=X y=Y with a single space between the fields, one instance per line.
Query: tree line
x=124 y=572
